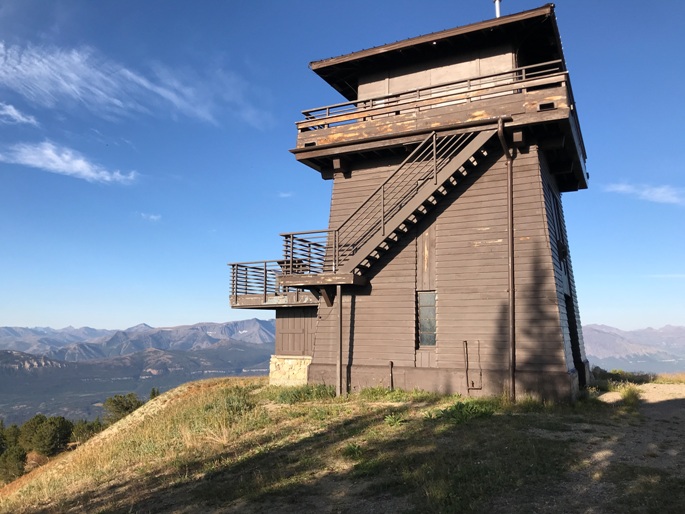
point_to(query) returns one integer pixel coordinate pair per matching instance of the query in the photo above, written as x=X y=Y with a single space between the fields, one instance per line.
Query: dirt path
x=614 y=459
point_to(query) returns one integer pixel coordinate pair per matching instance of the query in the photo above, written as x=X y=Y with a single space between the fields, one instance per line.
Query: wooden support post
x=338 y=363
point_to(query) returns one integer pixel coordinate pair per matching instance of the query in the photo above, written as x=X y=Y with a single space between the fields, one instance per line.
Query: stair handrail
x=418 y=157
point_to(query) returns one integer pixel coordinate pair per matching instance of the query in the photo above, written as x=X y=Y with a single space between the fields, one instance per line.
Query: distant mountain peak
x=141 y=327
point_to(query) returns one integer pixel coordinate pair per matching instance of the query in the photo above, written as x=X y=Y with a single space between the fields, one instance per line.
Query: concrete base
x=287 y=370
x=555 y=385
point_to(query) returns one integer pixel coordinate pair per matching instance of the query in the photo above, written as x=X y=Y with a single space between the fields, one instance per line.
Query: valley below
x=69 y=372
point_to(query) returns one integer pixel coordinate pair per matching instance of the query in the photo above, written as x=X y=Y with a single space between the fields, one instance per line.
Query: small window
x=426 y=318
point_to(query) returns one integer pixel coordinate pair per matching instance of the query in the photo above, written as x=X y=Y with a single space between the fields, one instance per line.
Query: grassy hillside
x=237 y=445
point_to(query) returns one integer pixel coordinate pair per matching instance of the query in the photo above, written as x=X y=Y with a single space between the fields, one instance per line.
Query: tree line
x=43 y=437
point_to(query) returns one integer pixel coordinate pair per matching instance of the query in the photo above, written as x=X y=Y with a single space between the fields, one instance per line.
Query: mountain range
x=71 y=371
x=649 y=350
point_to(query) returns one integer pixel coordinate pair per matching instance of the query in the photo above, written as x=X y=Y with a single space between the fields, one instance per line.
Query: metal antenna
x=497 y=12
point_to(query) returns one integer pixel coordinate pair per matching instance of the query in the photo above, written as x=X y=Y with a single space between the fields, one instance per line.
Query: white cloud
x=150 y=217
x=10 y=114
x=284 y=194
x=657 y=194
x=53 y=77
x=53 y=158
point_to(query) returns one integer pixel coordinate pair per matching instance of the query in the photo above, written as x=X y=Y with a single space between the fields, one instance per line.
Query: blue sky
x=144 y=144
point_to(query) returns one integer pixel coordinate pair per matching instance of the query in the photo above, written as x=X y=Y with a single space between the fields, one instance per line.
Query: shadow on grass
x=387 y=457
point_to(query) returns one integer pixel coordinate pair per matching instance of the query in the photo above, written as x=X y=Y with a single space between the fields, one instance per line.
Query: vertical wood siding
x=382 y=325
x=460 y=250
x=295 y=330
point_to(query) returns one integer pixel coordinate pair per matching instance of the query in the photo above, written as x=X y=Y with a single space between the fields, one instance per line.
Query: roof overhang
x=535 y=29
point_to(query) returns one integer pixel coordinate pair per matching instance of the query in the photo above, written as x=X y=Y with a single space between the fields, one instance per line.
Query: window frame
x=426 y=319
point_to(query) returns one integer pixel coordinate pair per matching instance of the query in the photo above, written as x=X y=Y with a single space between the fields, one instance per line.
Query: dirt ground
x=653 y=439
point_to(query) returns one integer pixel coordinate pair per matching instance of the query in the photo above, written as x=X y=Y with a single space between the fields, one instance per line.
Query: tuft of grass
x=383 y=394
x=463 y=411
x=298 y=394
x=394 y=420
x=353 y=451
x=630 y=396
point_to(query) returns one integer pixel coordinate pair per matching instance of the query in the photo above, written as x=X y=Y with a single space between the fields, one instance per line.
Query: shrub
x=119 y=406
x=12 y=463
x=84 y=430
x=47 y=436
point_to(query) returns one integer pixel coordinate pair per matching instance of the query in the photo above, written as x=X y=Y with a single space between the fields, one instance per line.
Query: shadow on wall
x=540 y=355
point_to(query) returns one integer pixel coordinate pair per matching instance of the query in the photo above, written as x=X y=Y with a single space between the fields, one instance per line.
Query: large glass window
x=425 y=301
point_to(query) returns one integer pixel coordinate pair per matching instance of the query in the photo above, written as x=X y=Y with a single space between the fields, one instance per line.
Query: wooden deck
x=529 y=96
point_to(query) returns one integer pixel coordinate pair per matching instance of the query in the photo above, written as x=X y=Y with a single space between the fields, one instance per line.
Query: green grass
x=245 y=445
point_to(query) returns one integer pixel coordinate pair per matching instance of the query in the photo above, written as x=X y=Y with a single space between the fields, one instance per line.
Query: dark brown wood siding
x=378 y=321
x=563 y=269
x=295 y=330
x=463 y=245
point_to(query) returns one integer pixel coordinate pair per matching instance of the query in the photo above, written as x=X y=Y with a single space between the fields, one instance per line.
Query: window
x=425 y=301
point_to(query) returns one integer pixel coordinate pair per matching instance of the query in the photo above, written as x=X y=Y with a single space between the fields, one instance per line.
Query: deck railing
x=466 y=90
x=310 y=253
x=256 y=278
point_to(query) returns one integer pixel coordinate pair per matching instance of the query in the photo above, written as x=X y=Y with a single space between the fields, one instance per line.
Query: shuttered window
x=425 y=302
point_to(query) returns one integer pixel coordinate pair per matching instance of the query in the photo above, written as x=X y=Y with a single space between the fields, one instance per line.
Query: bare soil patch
x=615 y=460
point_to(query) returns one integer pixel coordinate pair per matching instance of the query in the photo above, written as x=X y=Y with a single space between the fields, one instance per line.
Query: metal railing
x=310 y=253
x=258 y=277
x=326 y=251
x=545 y=74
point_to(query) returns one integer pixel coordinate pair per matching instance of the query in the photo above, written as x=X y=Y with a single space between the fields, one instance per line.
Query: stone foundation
x=285 y=370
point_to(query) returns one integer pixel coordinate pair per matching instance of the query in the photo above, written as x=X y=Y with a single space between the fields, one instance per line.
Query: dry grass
x=229 y=445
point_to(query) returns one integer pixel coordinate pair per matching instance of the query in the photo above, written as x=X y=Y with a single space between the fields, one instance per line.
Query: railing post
x=264 y=284
x=383 y=209
x=336 y=251
x=435 y=158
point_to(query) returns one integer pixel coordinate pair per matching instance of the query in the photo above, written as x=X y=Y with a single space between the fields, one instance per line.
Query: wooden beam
x=321 y=279
x=327 y=296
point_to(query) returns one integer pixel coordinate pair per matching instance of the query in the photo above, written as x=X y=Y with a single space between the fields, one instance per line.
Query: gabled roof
x=534 y=33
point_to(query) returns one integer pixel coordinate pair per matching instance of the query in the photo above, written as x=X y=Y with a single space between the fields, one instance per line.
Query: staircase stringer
x=424 y=192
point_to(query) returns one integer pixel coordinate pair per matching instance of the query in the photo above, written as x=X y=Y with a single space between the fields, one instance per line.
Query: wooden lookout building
x=445 y=265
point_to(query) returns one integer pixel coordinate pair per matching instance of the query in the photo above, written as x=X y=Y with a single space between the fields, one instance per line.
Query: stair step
x=404 y=206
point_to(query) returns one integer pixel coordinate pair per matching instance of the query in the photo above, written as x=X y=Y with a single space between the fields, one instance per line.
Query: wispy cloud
x=153 y=218
x=48 y=156
x=10 y=114
x=657 y=194
x=284 y=194
x=51 y=77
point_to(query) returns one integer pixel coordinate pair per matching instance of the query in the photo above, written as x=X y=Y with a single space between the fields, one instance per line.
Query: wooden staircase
x=417 y=185
x=342 y=255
